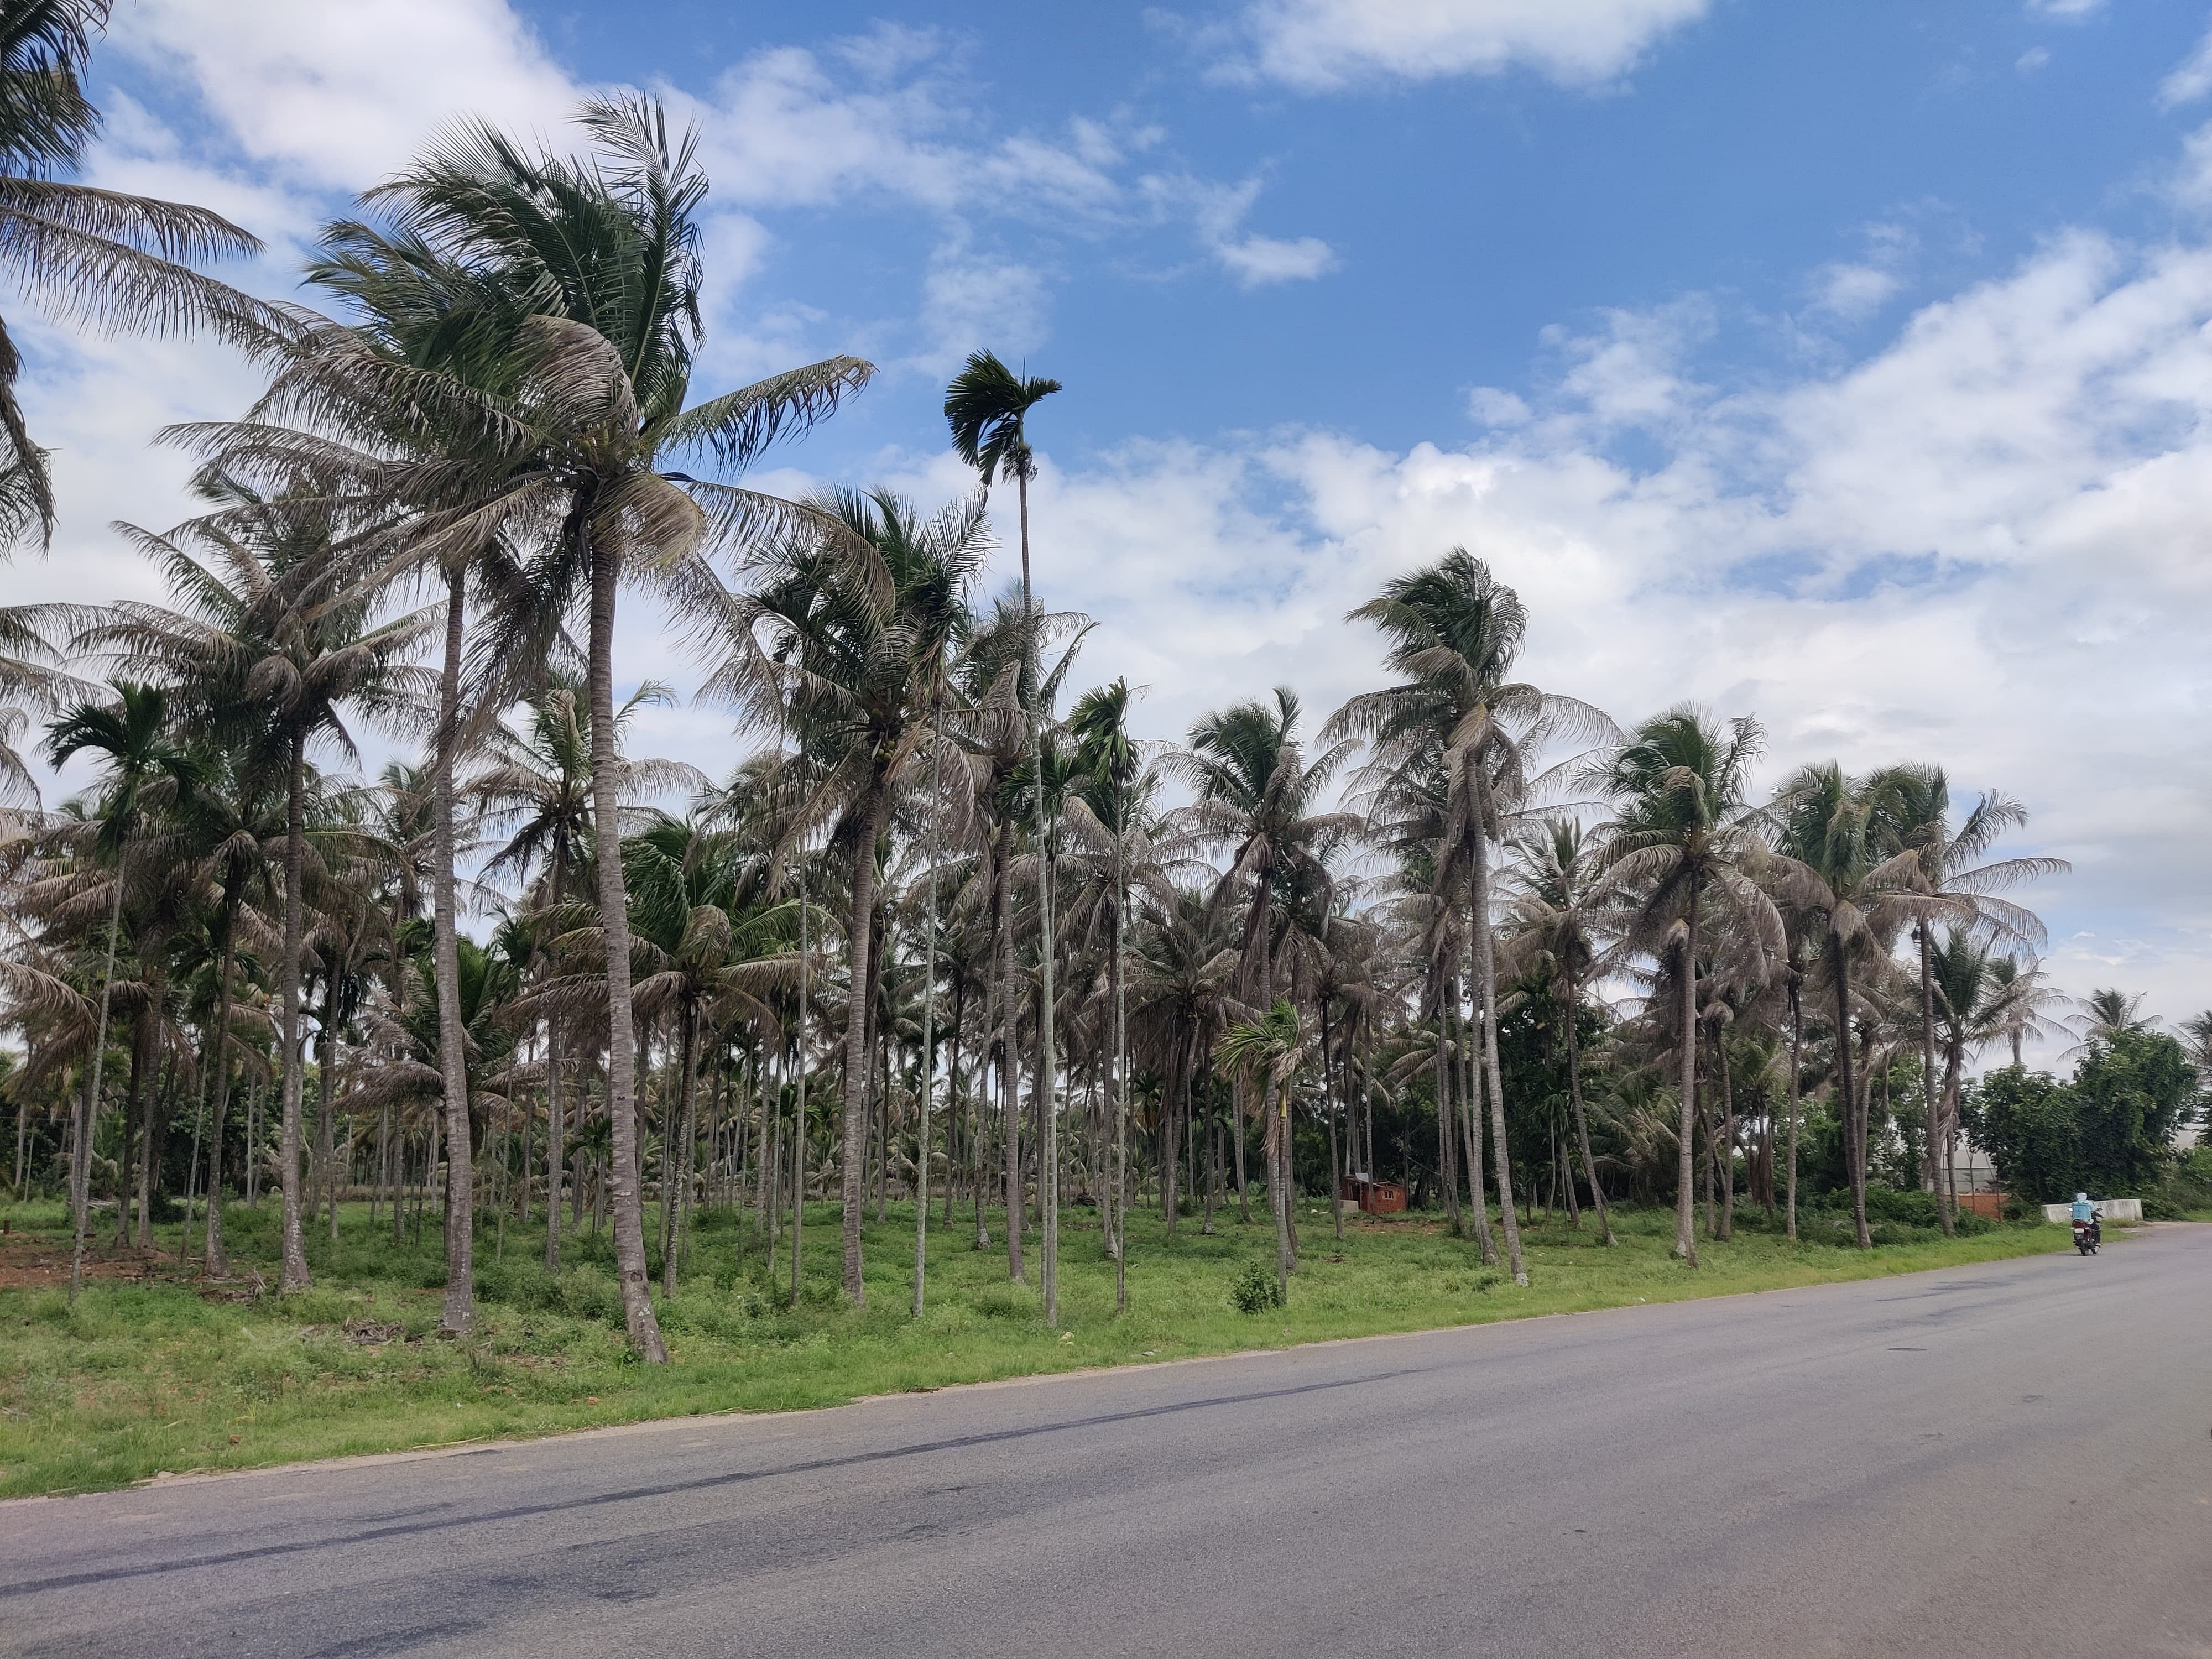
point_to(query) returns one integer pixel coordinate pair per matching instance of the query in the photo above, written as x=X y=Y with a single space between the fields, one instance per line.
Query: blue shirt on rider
x=2083 y=1209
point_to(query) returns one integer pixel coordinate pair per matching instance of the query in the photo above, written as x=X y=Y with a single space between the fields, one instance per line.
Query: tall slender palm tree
x=575 y=463
x=1962 y=891
x=1455 y=634
x=270 y=642
x=987 y=408
x=2197 y=1037
x=534 y=790
x=134 y=740
x=1837 y=862
x=1560 y=918
x=1683 y=836
x=2106 y=1013
x=1271 y=1048
x=112 y=262
x=235 y=821
x=1115 y=790
x=2026 y=998
x=854 y=659
x=709 y=952
x=1257 y=797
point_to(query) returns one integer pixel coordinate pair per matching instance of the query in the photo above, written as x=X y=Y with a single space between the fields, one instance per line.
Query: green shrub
x=1003 y=1301
x=1256 y=1289
x=586 y=1294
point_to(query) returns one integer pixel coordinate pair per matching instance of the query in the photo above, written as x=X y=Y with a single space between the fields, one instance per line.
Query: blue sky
x=1847 y=364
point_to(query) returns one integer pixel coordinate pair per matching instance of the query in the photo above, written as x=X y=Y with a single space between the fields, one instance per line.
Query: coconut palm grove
x=383 y=980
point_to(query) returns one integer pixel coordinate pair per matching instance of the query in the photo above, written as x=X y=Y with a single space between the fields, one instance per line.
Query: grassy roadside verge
x=153 y=1372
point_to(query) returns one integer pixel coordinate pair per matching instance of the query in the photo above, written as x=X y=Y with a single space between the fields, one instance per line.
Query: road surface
x=2003 y=1460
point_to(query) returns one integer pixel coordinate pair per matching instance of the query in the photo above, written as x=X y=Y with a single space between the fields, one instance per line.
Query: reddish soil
x=39 y=1261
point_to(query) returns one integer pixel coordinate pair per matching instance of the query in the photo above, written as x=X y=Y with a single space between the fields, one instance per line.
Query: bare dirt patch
x=40 y=1261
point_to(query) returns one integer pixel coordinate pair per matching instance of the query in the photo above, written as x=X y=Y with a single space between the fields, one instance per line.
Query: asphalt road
x=2010 y=1459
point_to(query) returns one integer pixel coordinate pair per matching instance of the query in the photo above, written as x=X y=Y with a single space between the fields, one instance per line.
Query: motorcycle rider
x=2083 y=1209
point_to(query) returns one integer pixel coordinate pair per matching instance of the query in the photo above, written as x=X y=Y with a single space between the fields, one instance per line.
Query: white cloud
x=338 y=95
x=1852 y=290
x=1495 y=406
x=1317 y=44
x=2191 y=78
x=1256 y=261
x=2065 y=11
x=1981 y=544
x=2033 y=58
x=969 y=298
x=1218 y=213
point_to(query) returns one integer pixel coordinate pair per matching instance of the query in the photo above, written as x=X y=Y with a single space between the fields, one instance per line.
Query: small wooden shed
x=1373 y=1197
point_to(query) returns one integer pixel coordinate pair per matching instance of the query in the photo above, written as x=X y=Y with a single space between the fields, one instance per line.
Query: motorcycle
x=2087 y=1236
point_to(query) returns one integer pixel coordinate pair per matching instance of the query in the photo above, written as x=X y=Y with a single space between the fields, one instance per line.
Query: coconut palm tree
x=1272 y=1048
x=987 y=407
x=2108 y=1014
x=574 y=462
x=1683 y=838
x=1961 y=890
x=1556 y=919
x=854 y=659
x=533 y=788
x=1839 y=863
x=1186 y=960
x=708 y=949
x=1113 y=800
x=272 y=643
x=141 y=760
x=1257 y=797
x=235 y=821
x=2197 y=1037
x=2025 y=996
x=1455 y=634
x=110 y=262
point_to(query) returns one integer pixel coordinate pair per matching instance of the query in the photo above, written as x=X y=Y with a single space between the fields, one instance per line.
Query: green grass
x=162 y=1374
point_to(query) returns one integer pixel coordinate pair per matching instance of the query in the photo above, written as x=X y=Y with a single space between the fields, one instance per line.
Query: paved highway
x=1990 y=1460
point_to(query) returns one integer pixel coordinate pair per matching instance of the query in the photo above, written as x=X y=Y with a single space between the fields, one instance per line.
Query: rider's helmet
x=2081 y=1198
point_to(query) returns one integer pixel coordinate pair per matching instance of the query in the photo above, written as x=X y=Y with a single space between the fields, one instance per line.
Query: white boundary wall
x=2114 y=1209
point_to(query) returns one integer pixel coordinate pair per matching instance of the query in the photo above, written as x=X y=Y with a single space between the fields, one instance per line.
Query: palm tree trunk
x=1274 y=1131
x=81 y=1156
x=1685 y=1219
x=1470 y=1106
x=294 y=1275
x=1725 y=1151
x=1943 y=1210
x=1010 y=1108
x=1796 y=1068
x=1049 y=1149
x=798 y=1104
x=1846 y=1096
x=152 y=1101
x=675 y=1160
x=1121 y=1079
x=852 y=1160
x=1329 y=1105
x=1486 y=968
x=325 y=1078
x=614 y=925
x=1447 y=1075
x=460 y=1311
x=556 y=1126
x=1582 y=1119
x=928 y=1078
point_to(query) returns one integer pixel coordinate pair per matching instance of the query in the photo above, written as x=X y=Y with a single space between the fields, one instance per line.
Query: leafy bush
x=1003 y=1301
x=586 y=1294
x=1256 y=1289
x=2189 y=1188
x=2109 y=1130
